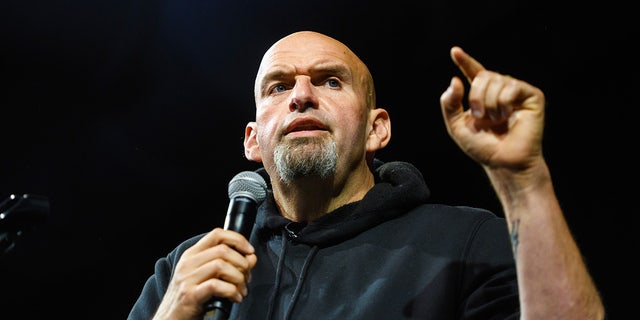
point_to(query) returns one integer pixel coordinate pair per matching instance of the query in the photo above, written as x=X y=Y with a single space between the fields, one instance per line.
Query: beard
x=305 y=157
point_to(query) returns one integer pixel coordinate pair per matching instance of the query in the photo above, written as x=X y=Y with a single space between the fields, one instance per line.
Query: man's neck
x=309 y=198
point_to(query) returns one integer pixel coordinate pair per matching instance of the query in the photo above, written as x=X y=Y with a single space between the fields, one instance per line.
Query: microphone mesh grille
x=248 y=184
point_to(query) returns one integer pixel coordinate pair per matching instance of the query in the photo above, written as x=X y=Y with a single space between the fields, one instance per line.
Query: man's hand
x=503 y=125
x=218 y=265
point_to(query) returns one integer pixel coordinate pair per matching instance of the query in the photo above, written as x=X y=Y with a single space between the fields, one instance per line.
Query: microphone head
x=248 y=184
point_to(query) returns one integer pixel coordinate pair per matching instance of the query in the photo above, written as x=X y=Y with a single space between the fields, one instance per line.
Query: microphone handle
x=241 y=215
x=217 y=310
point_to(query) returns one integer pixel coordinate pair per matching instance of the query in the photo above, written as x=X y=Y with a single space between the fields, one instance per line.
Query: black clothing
x=391 y=255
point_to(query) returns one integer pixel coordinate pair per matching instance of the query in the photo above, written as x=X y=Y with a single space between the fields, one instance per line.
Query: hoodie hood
x=399 y=187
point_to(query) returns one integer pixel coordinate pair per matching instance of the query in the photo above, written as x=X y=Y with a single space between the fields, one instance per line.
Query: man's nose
x=303 y=95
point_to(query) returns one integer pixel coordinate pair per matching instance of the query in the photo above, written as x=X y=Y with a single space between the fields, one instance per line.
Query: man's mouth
x=307 y=125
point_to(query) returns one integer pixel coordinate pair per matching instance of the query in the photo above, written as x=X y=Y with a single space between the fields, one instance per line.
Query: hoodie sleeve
x=490 y=281
x=156 y=285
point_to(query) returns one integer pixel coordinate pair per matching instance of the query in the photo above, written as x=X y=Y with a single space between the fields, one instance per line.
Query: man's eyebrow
x=278 y=72
x=338 y=69
x=273 y=74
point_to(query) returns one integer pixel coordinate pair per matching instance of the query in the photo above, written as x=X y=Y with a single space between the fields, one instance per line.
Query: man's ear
x=380 y=131
x=251 y=148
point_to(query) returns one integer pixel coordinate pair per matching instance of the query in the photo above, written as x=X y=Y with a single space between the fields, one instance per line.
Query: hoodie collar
x=399 y=187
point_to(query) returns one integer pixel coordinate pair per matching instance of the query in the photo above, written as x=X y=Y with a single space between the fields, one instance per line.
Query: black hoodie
x=391 y=255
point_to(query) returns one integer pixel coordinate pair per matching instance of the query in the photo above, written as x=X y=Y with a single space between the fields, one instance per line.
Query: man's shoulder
x=451 y=220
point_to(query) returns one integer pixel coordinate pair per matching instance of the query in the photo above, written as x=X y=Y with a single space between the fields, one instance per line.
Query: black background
x=130 y=117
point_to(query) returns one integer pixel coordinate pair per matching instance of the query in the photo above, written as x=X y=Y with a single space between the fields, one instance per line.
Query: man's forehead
x=304 y=64
x=311 y=40
x=307 y=62
x=306 y=54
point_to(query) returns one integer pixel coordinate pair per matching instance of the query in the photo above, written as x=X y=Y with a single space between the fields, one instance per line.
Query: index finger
x=466 y=63
x=231 y=238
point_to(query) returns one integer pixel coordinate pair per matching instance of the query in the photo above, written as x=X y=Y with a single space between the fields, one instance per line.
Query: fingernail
x=475 y=110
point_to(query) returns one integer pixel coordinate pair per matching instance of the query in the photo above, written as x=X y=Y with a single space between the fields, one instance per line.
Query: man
x=343 y=236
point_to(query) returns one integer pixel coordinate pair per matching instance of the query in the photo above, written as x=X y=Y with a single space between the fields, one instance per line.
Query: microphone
x=247 y=190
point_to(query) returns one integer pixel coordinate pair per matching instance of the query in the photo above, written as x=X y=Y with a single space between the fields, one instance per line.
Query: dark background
x=129 y=116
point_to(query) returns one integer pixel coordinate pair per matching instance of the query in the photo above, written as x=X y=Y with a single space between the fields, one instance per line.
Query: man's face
x=312 y=107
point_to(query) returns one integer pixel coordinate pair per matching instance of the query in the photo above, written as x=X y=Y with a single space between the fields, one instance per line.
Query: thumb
x=451 y=100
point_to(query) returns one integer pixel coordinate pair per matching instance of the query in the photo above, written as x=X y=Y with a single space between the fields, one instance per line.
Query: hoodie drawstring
x=303 y=273
x=276 y=288
x=278 y=278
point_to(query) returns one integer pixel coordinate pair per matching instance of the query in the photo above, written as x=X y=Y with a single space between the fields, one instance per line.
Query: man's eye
x=279 y=88
x=333 y=83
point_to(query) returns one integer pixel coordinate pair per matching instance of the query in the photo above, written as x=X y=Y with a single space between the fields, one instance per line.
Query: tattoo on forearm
x=513 y=234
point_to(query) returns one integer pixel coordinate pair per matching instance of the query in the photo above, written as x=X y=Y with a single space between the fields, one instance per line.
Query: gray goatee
x=302 y=157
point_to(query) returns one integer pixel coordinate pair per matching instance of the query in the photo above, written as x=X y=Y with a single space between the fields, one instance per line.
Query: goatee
x=313 y=156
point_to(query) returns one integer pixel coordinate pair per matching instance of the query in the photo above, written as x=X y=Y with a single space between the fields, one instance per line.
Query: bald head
x=299 y=48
